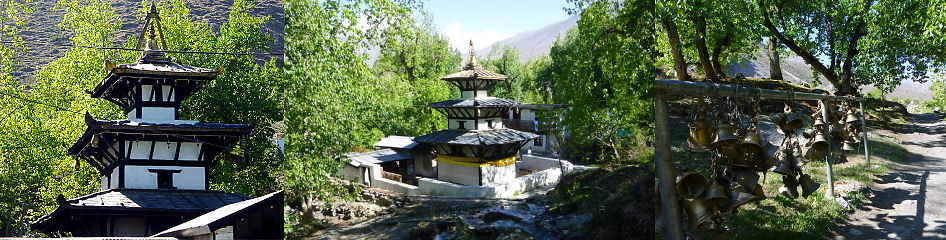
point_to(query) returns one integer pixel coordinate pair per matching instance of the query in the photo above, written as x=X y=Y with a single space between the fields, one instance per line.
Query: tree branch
x=790 y=43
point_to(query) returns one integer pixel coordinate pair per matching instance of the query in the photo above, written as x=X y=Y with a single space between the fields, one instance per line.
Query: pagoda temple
x=475 y=149
x=154 y=167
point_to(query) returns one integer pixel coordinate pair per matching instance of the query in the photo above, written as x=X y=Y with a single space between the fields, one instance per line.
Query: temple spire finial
x=151 y=31
x=472 y=63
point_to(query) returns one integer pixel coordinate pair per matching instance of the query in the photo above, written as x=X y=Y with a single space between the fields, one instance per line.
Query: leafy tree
x=853 y=43
x=504 y=59
x=409 y=68
x=603 y=70
x=333 y=102
x=714 y=33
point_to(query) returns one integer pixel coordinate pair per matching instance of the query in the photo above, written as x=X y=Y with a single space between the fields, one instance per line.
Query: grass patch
x=816 y=216
x=885 y=112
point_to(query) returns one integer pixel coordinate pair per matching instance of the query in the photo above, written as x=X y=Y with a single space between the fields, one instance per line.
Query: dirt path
x=910 y=201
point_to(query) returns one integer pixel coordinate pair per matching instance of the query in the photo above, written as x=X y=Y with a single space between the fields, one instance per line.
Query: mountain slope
x=531 y=43
x=795 y=70
x=42 y=26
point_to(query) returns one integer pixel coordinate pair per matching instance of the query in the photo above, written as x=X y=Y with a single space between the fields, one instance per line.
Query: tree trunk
x=679 y=64
x=701 y=47
x=717 y=67
x=775 y=66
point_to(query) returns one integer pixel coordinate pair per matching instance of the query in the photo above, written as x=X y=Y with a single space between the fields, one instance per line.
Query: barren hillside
x=43 y=26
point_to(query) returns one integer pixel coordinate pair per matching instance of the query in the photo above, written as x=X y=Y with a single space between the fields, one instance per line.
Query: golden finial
x=472 y=63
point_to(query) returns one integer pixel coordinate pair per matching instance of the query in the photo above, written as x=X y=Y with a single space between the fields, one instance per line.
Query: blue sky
x=490 y=21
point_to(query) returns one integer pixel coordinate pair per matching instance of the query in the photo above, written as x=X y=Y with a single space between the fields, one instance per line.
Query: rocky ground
x=594 y=204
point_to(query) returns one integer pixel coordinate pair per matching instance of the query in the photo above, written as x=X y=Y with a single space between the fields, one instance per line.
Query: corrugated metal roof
x=483 y=102
x=483 y=137
x=224 y=216
x=375 y=157
x=157 y=199
x=396 y=142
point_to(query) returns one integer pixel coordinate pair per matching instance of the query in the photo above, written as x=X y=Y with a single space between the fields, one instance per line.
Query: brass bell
x=694 y=146
x=758 y=194
x=735 y=156
x=696 y=211
x=779 y=119
x=784 y=168
x=745 y=177
x=789 y=188
x=751 y=143
x=801 y=161
x=716 y=196
x=808 y=133
x=701 y=132
x=849 y=145
x=818 y=122
x=820 y=142
x=814 y=154
x=850 y=117
x=738 y=196
x=808 y=186
x=794 y=121
x=786 y=164
x=691 y=185
x=724 y=135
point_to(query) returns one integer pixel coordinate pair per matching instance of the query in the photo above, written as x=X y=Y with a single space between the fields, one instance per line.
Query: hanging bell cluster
x=738 y=153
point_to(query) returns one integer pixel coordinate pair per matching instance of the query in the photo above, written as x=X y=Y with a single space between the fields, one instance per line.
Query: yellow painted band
x=475 y=162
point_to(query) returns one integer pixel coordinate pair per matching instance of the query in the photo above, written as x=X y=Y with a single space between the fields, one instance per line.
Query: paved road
x=910 y=201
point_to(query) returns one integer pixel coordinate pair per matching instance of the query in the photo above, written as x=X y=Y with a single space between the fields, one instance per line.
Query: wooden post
x=827 y=128
x=665 y=171
x=864 y=129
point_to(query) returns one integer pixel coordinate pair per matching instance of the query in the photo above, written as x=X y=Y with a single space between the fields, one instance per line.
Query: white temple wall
x=483 y=124
x=469 y=94
x=163 y=150
x=139 y=177
x=498 y=175
x=166 y=94
x=114 y=179
x=155 y=113
x=455 y=173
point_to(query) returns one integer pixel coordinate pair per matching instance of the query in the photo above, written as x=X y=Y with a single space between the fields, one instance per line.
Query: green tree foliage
x=711 y=33
x=42 y=118
x=858 y=42
x=333 y=102
x=409 y=68
x=603 y=70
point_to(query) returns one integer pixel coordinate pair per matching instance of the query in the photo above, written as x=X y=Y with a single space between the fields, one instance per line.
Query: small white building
x=525 y=117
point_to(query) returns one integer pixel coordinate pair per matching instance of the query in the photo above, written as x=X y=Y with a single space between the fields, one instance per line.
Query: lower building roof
x=482 y=137
x=375 y=157
x=123 y=201
x=224 y=216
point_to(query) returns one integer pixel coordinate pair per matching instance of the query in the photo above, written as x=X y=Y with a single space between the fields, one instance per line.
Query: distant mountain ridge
x=531 y=43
